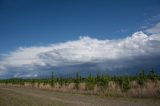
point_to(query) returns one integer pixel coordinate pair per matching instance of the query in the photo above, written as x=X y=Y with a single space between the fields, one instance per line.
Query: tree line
x=91 y=81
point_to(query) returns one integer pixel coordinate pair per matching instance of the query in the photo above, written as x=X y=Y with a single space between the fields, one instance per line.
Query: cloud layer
x=137 y=50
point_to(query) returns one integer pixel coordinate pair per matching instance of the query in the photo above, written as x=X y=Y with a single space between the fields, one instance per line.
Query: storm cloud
x=141 y=49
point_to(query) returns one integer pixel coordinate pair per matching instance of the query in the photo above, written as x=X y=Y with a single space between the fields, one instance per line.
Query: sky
x=90 y=36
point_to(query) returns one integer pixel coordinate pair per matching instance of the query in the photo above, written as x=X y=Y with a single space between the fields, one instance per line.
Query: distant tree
x=77 y=80
x=90 y=83
x=125 y=82
x=104 y=80
x=152 y=74
x=52 y=79
x=141 y=77
x=97 y=77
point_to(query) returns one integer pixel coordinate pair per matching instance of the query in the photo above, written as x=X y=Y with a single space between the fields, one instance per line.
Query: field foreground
x=13 y=96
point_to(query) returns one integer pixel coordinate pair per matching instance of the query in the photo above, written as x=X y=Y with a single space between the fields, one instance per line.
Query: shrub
x=125 y=83
x=98 y=78
x=152 y=75
x=77 y=80
x=52 y=81
x=90 y=83
x=104 y=81
x=141 y=78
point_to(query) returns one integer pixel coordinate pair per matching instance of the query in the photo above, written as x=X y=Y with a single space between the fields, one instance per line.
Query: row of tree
x=91 y=81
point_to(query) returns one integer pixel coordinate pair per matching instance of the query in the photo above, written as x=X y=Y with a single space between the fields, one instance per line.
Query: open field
x=12 y=96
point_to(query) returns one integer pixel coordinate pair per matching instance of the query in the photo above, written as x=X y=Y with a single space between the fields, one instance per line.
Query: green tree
x=90 y=84
x=125 y=83
x=104 y=81
x=97 y=77
x=141 y=77
x=52 y=80
x=77 y=80
x=152 y=74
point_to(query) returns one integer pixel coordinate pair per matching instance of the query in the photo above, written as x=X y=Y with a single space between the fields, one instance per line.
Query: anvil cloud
x=138 y=50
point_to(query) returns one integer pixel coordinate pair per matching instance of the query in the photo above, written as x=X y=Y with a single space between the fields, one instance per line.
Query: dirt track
x=11 y=96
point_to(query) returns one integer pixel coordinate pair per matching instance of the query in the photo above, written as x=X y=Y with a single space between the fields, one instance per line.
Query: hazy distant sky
x=45 y=34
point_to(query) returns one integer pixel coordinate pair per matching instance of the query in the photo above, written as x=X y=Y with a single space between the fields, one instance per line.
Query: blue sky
x=32 y=22
x=28 y=24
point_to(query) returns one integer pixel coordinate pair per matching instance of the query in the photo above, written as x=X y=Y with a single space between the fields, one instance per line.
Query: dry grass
x=149 y=89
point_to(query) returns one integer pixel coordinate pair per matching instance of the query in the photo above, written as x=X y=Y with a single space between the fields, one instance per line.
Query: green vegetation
x=125 y=82
x=142 y=78
x=90 y=82
x=152 y=74
x=77 y=81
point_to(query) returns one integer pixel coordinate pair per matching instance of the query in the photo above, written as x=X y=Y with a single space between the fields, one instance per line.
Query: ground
x=11 y=96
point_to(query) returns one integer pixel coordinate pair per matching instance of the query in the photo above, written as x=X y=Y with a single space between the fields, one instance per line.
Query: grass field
x=12 y=96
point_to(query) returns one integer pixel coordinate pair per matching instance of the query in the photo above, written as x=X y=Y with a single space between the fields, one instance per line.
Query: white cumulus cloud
x=155 y=29
x=137 y=49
